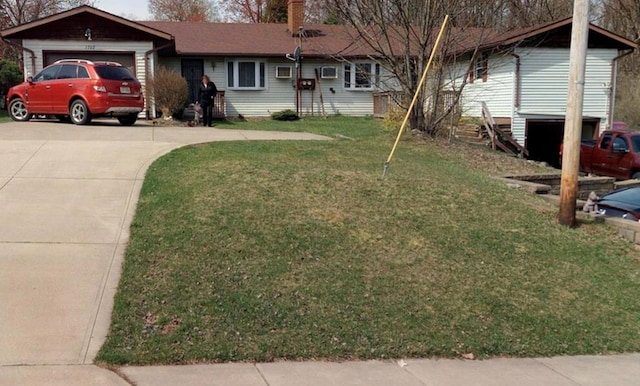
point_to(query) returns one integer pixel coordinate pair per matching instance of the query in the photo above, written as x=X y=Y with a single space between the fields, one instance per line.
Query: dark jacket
x=207 y=93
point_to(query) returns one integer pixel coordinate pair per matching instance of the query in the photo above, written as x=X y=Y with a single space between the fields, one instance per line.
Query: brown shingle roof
x=259 y=39
x=519 y=35
x=235 y=39
x=197 y=38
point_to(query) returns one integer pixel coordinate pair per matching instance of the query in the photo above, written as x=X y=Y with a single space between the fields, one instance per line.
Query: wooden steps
x=499 y=134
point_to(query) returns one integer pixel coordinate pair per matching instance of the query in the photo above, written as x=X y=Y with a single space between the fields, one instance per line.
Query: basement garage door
x=127 y=59
x=545 y=136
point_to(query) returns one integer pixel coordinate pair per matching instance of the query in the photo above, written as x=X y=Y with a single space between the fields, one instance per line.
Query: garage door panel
x=126 y=59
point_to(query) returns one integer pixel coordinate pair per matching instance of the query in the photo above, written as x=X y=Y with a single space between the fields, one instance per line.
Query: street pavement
x=67 y=197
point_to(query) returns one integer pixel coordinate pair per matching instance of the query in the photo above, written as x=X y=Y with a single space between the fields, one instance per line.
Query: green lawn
x=298 y=250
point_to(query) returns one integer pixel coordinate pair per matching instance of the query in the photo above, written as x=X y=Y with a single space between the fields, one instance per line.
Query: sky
x=130 y=9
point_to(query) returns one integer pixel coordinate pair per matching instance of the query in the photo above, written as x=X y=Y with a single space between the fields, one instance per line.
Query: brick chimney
x=295 y=16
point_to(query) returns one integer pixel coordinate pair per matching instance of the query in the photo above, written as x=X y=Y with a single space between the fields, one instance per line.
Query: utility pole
x=573 y=121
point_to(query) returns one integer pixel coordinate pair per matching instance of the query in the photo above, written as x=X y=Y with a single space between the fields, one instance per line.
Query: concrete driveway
x=67 y=197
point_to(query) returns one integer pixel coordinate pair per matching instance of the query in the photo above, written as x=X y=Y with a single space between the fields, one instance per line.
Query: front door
x=192 y=71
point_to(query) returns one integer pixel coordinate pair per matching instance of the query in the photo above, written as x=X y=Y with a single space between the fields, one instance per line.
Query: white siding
x=544 y=74
x=497 y=91
x=340 y=100
x=280 y=94
x=544 y=82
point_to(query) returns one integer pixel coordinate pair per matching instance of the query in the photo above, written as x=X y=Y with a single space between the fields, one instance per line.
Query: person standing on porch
x=206 y=98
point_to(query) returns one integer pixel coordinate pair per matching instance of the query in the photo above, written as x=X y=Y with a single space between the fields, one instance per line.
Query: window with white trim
x=246 y=75
x=361 y=75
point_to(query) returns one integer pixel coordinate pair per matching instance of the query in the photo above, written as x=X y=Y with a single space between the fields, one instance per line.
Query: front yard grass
x=257 y=251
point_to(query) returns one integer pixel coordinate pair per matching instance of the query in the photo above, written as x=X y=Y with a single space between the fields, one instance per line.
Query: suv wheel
x=79 y=113
x=18 y=110
x=128 y=120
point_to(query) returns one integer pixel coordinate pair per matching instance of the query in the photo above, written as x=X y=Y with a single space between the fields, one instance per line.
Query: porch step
x=469 y=133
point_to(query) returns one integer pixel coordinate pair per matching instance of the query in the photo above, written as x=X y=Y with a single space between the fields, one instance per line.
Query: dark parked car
x=78 y=90
x=623 y=203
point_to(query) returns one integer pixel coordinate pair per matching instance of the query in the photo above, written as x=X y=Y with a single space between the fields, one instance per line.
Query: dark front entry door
x=192 y=71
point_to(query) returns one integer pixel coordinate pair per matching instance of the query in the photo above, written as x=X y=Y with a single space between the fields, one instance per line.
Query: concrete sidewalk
x=67 y=197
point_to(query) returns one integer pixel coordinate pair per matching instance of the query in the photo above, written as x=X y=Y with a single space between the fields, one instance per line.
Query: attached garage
x=88 y=33
x=544 y=136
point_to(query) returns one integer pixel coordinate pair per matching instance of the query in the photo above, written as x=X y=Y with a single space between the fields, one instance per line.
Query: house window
x=247 y=75
x=361 y=76
x=283 y=72
x=480 y=68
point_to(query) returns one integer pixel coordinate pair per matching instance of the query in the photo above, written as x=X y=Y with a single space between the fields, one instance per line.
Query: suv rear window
x=114 y=73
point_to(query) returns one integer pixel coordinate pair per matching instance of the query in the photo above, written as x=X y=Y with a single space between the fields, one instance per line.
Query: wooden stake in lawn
x=573 y=122
x=415 y=96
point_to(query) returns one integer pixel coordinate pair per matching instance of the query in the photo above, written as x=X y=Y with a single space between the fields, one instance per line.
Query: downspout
x=612 y=88
x=516 y=97
x=146 y=73
x=516 y=102
x=21 y=48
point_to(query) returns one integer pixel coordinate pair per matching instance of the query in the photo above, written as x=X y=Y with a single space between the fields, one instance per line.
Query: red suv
x=78 y=90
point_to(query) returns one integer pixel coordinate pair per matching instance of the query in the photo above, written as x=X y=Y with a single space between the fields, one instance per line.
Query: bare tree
x=321 y=12
x=182 y=10
x=623 y=17
x=402 y=33
x=256 y=11
x=16 y=12
x=525 y=13
x=506 y=15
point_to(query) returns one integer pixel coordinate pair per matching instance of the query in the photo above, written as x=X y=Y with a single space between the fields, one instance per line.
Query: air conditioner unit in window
x=283 y=72
x=330 y=72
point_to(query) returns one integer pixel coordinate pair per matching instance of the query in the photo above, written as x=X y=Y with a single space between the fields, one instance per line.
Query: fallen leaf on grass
x=173 y=325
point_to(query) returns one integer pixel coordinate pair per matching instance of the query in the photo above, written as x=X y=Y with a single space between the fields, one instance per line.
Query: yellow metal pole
x=415 y=96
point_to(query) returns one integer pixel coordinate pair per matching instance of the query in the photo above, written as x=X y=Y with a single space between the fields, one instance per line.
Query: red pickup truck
x=614 y=154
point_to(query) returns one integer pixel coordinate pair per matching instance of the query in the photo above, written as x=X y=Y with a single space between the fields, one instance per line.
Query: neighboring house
x=523 y=78
x=521 y=75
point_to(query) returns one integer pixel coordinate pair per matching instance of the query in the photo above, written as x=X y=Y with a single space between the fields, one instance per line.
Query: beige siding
x=280 y=94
